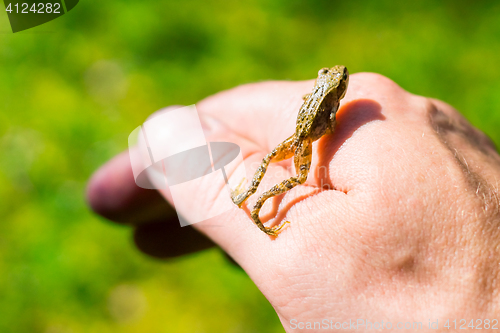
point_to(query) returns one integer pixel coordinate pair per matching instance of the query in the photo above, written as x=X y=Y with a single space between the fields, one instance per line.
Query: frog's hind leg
x=303 y=164
x=283 y=151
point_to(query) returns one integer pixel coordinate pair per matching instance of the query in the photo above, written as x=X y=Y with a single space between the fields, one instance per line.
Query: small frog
x=316 y=118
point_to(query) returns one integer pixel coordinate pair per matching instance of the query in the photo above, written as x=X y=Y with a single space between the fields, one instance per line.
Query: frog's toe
x=240 y=186
x=236 y=192
x=237 y=201
x=275 y=231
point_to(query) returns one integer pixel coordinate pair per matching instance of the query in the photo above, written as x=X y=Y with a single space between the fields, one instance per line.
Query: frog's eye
x=323 y=71
x=344 y=77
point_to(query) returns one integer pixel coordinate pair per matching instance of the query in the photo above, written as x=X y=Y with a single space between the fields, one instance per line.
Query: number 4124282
x=36 y=8
x=477 y=324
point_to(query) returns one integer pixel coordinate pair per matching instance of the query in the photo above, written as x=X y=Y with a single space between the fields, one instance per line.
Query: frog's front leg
x=283 y=151
x=333 y=120
x=303 y=164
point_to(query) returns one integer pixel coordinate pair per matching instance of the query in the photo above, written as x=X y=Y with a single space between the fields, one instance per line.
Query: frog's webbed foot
x=274 y=231
x=236 y=194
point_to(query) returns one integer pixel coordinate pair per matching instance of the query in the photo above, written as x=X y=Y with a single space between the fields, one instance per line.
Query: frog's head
x=335 y=78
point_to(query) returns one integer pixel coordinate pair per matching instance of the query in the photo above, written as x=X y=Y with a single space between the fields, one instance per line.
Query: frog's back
x=320 y=106
x=313 y=117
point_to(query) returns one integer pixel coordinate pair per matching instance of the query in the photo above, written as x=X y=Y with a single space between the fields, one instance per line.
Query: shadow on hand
x=354 y=115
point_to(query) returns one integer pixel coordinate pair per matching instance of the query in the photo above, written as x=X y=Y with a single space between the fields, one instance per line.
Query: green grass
x=73 y=89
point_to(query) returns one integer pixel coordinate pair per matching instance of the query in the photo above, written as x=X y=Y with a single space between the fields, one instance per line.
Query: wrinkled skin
x=406 y=226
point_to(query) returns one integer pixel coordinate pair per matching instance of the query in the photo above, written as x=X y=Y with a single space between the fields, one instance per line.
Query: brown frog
x=316 y=118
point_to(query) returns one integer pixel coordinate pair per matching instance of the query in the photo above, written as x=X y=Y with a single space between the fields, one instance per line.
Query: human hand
x=398 y=220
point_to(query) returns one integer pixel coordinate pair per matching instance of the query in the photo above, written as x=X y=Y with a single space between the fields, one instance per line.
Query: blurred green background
x=73 y=89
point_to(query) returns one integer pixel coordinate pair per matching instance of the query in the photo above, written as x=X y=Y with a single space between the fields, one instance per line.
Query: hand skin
x=398 y=220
